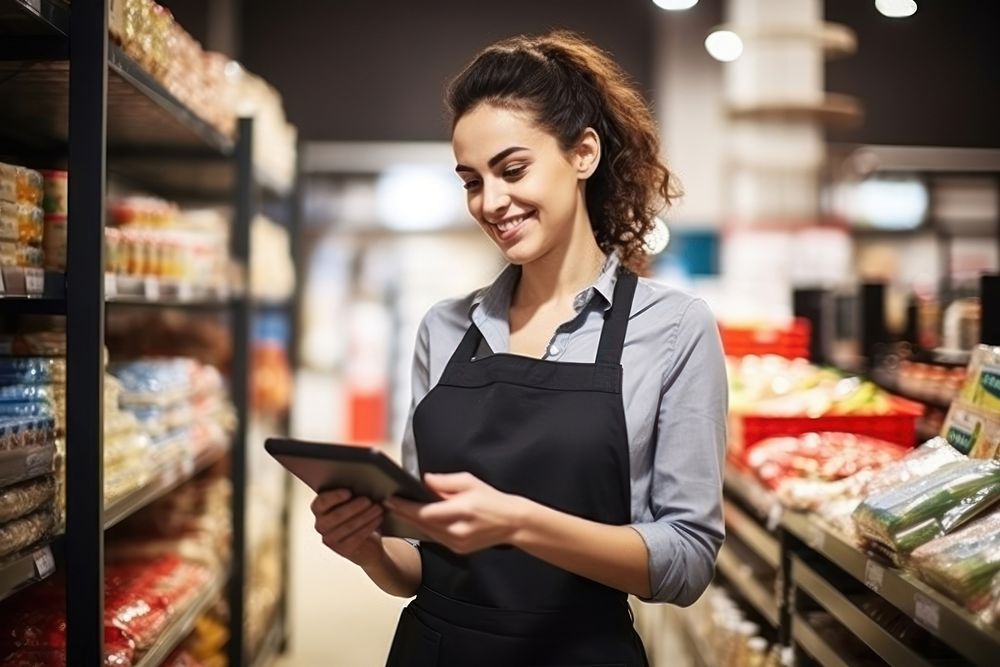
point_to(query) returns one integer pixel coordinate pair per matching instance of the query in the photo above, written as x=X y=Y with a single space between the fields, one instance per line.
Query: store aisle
x=338 y=618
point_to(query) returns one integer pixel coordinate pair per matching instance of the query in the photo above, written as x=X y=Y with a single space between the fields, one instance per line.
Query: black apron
x=553 y=432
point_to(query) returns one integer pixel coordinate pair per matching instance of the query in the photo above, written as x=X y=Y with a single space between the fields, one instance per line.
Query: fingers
x=451 y=483
x=341 y=513
x=327 y=500
x=340 y=537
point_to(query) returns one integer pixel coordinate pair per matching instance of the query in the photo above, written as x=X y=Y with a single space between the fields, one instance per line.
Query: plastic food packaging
x=37 y=344
x=26 y=497
x=898 y=521
x=8 y=182
x=20 y=184
x=972 y=430
x=963 y=565
x=21 y=223
x=55 y=189
x=19 y=432
x=54 y=241
x=20 y=533
x=32 y=370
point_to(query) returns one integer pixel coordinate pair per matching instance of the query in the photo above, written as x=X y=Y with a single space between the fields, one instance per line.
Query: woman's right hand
x=349 y=526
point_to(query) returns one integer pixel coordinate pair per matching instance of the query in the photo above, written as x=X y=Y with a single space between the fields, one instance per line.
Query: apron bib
x=550 y=431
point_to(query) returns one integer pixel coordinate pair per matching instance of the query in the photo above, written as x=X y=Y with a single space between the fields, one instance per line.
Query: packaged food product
x=30 y=257
x=56 y=192
x=8 y=182
x=982 y=386
x=900 y=520
x=962 y=565
x=39 y=344
x=18 y=432
x=26 y=497
x=29 y=186
x=20 y=533
x=8 y=253
x=32 y=370
x=21 y=223
x=54 y=242
x=972 y=430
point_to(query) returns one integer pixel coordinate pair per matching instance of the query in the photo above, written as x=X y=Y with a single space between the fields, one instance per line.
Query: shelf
x=752 y=495
x=890 y=385
x=18 y=465
x=751 y=590
x=854 y=619
x=943 y=618
x=166 y=482
x=751 y=533
x=270 y=646
x=155 y=293
x=179 y=630
x=143 y=116
x=23 y=570
x=804 y=636
x=698 y=650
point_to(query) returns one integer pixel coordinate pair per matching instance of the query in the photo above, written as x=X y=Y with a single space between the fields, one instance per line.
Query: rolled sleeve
x=419 y=386
x=688 y=529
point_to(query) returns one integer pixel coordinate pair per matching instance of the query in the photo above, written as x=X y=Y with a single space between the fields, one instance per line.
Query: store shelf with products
x=183 y=625
x=96 y=110
x=742 y=579
x=270 y=647
x=818 y=648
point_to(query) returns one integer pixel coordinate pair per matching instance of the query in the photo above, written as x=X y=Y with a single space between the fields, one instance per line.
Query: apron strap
x=467 y=349
x=609 y=351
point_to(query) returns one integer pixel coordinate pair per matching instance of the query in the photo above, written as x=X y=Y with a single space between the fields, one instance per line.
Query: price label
x=151 y=287
x=874 y=574
x=184 y=291
x=927 y=612
x=36 y=5
x=34 y=281
x=110 y=286
x=45 y=563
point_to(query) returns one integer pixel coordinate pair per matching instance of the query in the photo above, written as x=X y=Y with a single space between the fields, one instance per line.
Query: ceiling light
x=724 y=45
x=896 y=8
x=658 y=238
x=675 y=4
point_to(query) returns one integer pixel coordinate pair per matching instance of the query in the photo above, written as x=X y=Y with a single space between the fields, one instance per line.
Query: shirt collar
x=495 y=298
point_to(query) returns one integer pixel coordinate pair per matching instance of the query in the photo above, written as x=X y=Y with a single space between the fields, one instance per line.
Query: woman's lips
x=510 y=233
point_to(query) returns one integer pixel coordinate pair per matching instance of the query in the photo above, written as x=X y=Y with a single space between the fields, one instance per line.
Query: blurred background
x=278 y=209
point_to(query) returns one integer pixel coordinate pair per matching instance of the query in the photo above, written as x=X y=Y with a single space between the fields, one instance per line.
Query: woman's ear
x=586 y=155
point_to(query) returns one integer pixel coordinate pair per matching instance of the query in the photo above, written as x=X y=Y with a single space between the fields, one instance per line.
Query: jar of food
x=55 y=187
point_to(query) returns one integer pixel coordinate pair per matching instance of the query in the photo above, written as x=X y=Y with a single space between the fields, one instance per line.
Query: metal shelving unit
x=20 y=571
x=817 y=647
x=741 y=578
x=106 y=114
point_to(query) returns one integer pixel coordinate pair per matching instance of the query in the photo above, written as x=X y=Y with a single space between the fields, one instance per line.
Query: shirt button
x=553 y=350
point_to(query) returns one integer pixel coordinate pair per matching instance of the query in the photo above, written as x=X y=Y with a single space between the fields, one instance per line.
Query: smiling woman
x=571 y=414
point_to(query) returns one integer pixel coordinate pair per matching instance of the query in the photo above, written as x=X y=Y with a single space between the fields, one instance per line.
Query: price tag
x=45 y=563
x=927 y=612
x=36 y=5
x=34 y=281
x=110 y=286
x=184 y=291
x=874 y=574
x=151 y=287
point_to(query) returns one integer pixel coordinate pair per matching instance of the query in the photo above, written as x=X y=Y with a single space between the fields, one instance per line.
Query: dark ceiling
x=375 y=69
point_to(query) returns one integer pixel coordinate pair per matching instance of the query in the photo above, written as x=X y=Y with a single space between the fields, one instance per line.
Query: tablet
x=364 y=470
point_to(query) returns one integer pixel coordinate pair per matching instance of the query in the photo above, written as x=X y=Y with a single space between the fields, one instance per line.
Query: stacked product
x=973 y=422
x=180 y=405
x=207 y=643
x=21 y=230
x=263 y=591
x=217 y=89
x=31 y=395
x=141 y=599
x=929 y=382
x=895 y=522
x=184 y=253
x=127 y=466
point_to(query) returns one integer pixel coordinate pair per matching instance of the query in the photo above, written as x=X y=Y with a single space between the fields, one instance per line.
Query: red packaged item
x=181 y=658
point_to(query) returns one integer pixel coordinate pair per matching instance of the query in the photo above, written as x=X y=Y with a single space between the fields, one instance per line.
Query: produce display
x=982 y=388
x=781 y=462
x=776 y=386
x=895 y=522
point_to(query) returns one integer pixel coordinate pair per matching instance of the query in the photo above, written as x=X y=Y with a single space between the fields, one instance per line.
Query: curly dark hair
x=569 y=84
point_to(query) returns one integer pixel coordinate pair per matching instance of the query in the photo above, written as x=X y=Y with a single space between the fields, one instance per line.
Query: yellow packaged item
x=29 y=186
x=9 y=228
x=8 y=183
x=982 y=385
x=972 y=430
x=8 y=253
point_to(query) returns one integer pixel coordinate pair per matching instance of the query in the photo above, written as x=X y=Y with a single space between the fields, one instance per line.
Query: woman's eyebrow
x=495 y=159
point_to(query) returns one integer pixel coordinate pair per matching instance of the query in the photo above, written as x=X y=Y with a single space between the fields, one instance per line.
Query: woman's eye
x=470 y=185
x=514 y=171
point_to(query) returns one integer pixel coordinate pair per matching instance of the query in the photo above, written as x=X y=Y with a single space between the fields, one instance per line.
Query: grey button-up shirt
x=675 y=398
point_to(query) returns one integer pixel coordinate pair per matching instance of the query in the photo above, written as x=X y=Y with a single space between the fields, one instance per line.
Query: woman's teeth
x=511 y=224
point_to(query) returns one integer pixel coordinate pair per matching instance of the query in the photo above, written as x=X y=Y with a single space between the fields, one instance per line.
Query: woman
x=571 y=414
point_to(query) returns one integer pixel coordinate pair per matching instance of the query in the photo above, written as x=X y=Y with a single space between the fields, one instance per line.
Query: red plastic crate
x=899 y=427
x=790 y=342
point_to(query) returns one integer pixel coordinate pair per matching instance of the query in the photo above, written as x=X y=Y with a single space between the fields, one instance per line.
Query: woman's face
x=522 y=188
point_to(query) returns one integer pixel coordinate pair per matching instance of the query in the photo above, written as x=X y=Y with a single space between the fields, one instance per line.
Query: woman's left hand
x=472 y=516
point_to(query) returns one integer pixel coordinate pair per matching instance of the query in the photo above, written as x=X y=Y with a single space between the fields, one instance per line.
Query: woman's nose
x=496 y=200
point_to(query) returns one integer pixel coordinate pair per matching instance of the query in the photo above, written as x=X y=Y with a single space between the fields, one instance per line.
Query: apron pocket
x=415 y=644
